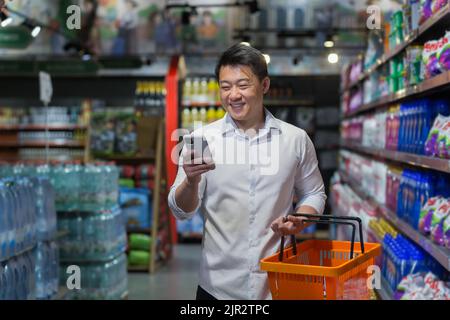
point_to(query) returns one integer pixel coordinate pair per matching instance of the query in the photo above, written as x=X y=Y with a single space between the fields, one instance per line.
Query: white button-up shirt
x=253 y=183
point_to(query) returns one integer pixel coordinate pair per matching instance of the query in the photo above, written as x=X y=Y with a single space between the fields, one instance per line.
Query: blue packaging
x=136 y=206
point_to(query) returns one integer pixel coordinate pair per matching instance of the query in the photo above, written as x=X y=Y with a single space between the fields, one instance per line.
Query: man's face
x=241 y=92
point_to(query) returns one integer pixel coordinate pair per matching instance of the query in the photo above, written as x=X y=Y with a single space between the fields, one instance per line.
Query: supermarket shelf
x=439 y=18
x=129 y=160
x=408 y=158
x=43 y=144
x=437 y=82
x=139 y=230
x=441 y=254
x=138 y=269
x=41 y=127
x=202 y=105
x=288 y=103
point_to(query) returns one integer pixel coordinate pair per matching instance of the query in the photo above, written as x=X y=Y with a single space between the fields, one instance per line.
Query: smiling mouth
x=236 y=105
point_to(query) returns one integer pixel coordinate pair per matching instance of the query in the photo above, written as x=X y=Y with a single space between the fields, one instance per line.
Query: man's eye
x=226 y=88
x=243 y=87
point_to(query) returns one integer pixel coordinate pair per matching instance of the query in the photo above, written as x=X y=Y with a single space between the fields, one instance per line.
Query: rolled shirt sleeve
x=309 y=186
x=181 y=175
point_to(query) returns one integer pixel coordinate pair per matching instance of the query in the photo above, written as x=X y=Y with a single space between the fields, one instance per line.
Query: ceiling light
x=246 y=43
x=267 y=57
x=328 y=44
x=333 y=58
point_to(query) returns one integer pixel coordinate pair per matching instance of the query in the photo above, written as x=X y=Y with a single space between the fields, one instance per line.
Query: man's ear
x=266 y=85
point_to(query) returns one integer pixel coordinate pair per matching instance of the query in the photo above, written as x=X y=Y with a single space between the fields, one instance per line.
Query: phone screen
x=199 y=145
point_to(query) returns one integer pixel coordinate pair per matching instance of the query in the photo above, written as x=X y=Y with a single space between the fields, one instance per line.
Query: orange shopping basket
x=322 y=269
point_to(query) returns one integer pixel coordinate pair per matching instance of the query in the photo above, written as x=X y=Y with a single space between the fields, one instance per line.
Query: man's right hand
x=195 y=168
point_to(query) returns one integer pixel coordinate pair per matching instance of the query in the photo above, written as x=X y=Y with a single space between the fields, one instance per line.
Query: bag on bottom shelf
x=421 y=286
x=437 y=225
x=138 y=258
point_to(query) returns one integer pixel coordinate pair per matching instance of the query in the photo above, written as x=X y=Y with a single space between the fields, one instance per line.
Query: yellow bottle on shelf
x=203 y=116
x=211 y=114
x=195 y=118
x=220 y=113
x=212 y=92
x=186 y=119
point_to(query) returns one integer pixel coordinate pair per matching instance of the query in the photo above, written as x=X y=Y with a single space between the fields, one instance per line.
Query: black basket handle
x=325 y=219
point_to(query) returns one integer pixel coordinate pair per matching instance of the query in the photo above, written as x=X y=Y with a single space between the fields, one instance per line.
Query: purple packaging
x=426 y=10
x=446 y=230
x=430 y=59
x=426 y=214
x=438 y=5
x=432 y=143
x=444 y=52
x=437 y=223
x=444 y=140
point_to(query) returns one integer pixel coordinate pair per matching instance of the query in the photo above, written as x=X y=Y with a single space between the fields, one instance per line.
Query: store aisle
x=176 y=281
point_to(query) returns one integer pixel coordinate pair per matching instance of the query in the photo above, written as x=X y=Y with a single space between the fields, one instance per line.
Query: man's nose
x=235 y=94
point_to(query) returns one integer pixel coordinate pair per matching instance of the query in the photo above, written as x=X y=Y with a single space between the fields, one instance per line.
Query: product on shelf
x=422 y=286
x=46 y=270
x=438 y=141
x=414 y=64
x=426 y=10
x=139 y=258
x=27 y=227
x=137 y=241
x=100 y=280
x=92 y=236
x=150 y=97
x=17 y=277
x=77 y=188
x=18 y=219
x=437 y=223
x=393 y=177
x=427 y=212
x=436 y=56
x=136 y=206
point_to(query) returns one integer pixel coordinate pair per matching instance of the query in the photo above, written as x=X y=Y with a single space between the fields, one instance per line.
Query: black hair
x=243 y=55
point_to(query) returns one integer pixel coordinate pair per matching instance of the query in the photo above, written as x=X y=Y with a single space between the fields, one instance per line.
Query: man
x=242 y=201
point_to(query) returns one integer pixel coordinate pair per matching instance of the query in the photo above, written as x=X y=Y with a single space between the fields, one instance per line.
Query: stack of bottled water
x=86 y=199
x=27 y=224
x=100 y=280
x=92 y=236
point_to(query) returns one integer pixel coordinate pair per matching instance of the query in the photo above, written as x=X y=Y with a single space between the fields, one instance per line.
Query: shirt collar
x=270 y=122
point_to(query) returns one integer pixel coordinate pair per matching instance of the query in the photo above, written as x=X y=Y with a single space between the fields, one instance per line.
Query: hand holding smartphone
x=198 y=148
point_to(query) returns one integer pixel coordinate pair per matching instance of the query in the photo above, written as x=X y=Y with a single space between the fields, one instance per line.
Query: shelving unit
x=438 y=164
x=439 y=19
x=43 y=144
x=441 y=254
x=439 y=85
x=438 y=82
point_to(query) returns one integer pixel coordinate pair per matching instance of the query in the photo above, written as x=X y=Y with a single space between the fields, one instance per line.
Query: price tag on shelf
x=46 y=87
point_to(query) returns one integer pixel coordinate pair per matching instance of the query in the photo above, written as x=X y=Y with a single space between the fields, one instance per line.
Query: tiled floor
x=177 y=280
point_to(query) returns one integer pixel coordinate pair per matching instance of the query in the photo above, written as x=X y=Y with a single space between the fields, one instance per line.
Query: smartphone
x=200 y=146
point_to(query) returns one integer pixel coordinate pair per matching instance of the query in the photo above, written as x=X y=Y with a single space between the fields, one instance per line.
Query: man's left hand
x=288 y=225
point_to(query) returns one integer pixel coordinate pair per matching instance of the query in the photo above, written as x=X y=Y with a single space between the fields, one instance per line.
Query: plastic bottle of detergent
x=401 y=128
x=428 y=115
x=421 y=119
